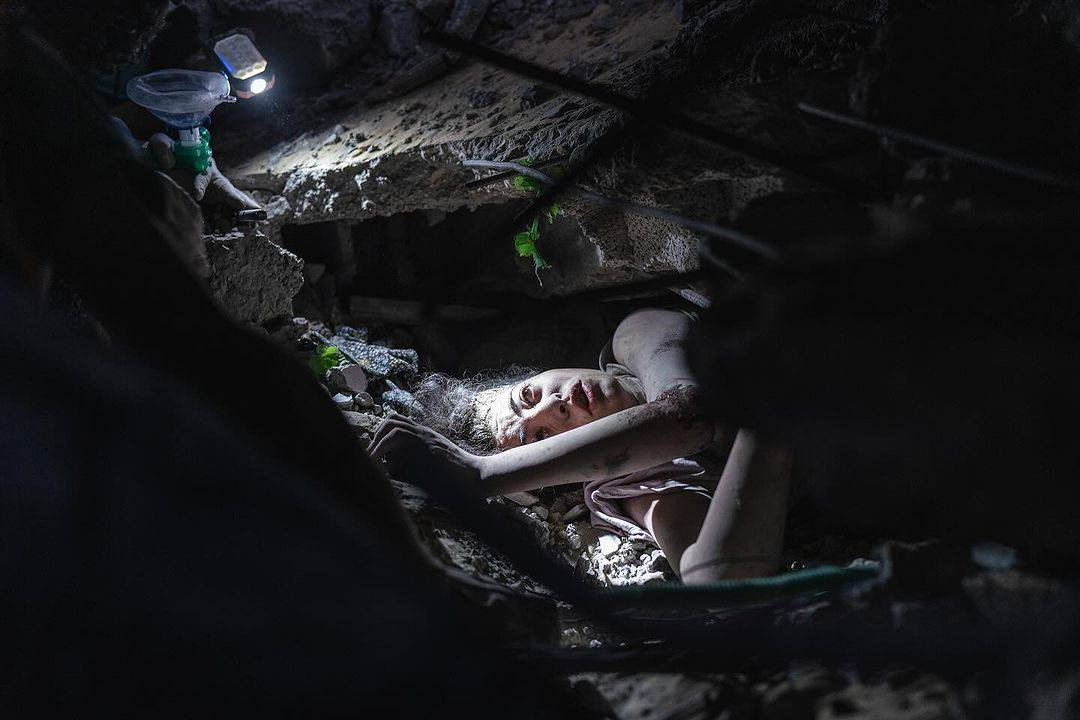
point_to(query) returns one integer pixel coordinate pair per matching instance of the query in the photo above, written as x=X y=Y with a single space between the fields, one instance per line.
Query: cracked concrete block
x=252 y=278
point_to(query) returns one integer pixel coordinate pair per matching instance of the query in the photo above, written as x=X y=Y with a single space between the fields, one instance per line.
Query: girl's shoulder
x=651 y=344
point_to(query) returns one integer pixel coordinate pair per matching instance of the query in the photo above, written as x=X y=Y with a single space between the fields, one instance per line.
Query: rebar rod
x=982 y=159
x=651 y=113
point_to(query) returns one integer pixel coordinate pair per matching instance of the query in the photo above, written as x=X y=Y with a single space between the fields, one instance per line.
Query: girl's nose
x=555 y=409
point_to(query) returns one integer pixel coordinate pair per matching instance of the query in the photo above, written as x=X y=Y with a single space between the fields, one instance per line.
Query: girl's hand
x=418 y=455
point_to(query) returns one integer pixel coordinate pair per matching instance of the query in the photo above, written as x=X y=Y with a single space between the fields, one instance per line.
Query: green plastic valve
x=195 y=158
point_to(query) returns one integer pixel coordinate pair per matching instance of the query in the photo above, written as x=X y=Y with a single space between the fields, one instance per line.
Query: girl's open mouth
x=590 y=398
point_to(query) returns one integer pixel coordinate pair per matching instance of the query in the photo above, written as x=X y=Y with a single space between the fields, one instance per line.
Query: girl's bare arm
x=633 y=439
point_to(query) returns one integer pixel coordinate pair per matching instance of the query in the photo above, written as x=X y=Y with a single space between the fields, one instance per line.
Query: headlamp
x=248 y=71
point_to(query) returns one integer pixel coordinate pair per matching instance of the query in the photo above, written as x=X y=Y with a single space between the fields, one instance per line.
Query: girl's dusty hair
x=460 y=408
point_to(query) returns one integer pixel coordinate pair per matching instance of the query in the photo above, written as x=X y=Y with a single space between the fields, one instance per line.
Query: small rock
x=541 y=511
x=575 y=513
x=343 y=401
x=609 y=544
x=363 y=401
x=401 y=400
x=361 y=422
x=524 y=499
x=349 y=379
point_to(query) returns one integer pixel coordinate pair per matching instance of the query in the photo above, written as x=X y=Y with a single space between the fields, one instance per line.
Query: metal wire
x=1024 y=172
x=732 y=235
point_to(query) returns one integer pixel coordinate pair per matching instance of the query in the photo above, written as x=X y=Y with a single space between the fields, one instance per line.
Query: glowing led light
x=257 y=86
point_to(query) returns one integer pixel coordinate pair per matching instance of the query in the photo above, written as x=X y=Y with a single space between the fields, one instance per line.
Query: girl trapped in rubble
x=712 y=499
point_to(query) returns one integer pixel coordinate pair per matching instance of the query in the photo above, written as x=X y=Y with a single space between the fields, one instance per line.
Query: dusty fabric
x=604 y=497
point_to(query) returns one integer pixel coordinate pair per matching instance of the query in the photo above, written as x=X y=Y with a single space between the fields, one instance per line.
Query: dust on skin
x=672 y=341
x=614 y=463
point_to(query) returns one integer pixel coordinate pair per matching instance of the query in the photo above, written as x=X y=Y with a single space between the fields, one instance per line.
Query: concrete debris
x=524 y=499
x=343 y=401
x=252 y=278
x=609 y=544
x=575 y=513
x=347 y=378
x=362 y=422
x=377 y=361
x=400 y=400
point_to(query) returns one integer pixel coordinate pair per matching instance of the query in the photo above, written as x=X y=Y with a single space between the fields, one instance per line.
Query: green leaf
x=525 y=245
x=522 y=182
x=552 y=212
x=326 y=357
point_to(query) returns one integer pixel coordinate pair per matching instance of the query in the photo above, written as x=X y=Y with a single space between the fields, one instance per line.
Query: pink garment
x=604 y=497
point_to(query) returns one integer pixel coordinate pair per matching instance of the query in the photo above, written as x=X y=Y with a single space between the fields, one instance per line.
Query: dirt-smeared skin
x=683 y=402
x=613 y=464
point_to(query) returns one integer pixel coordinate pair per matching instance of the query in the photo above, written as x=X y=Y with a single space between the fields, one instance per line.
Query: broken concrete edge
x=252 y=278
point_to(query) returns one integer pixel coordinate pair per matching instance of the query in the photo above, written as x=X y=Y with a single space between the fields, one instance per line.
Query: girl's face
x=553 y=402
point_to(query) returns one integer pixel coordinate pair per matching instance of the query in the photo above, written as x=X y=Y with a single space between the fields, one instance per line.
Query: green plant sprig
x=525 y=242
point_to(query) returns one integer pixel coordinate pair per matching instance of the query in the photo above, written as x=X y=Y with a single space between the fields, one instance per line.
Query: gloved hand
x=210 y=186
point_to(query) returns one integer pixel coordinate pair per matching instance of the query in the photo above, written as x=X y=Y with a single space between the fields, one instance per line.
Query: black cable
x=510 y=174
x=730 y=234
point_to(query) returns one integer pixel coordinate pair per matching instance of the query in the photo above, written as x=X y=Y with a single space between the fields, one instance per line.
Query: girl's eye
x=527 y=395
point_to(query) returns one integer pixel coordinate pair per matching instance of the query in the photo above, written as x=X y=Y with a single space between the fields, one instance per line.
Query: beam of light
x=257 y=86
